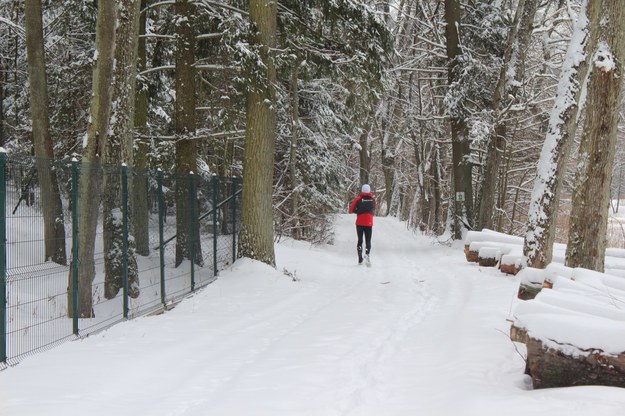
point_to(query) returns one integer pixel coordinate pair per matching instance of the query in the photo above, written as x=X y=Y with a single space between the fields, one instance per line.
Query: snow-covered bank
x=420 y=332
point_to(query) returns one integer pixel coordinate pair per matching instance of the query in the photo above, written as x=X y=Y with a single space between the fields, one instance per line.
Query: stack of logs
x=579 y=295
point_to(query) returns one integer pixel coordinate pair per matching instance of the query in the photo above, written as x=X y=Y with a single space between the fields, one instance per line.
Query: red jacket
x=364 y=218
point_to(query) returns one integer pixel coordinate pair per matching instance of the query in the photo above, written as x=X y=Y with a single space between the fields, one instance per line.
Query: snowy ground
x=421 y=332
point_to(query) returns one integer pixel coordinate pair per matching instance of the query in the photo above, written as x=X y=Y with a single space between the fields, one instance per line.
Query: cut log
x=528 y=291
x=471 y=256
x=549 y=367
x=487 y=261
x=511 y=263
x=518 y=334
x=530 y=282
x=512 y=269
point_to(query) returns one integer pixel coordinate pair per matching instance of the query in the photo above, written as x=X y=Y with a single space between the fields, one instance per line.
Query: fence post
x=75 y=246
x=161 y=238
x=124 y=178
x=234 y=219
x=3 y=258
x=215 y=186
x=191 y=226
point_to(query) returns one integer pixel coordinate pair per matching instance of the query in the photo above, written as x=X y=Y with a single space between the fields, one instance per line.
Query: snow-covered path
x=420 y=332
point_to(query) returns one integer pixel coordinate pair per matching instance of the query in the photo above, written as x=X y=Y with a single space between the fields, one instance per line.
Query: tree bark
x=542 y=215
x=294 y=93
x=256 y=234
x=591 y=196
x=549 y=367
x=52 y=207
x=2 y=93
x=388 y=147
x=90 y=183
x=364 y=154
x=186 y=147
x=120 y=149
x=461 y=151
x=140 y=211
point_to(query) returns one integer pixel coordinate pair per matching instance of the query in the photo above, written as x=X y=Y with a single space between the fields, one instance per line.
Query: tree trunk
x=140 y=211
x=186 y=145
x=388 y=147
x=495 y=147
x=420 y=191
x=2 y=87
x=542 y=215
x=294 y=92
x=435 y=212
x=365 y=156
x=591 y=195
x=120 y=149
x=461 y=150
x=90 y=183
x=256 y=234
x=54 y=225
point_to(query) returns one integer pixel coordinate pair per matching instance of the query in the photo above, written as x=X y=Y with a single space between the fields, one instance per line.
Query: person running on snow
x=363 y=206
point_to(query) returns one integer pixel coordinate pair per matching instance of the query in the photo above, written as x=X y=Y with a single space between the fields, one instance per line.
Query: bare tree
x=54 y=226
x=513 y=63
x=591 y=195
x=538 y=246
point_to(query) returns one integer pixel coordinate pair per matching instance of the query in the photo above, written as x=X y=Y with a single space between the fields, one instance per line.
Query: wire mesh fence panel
x=106 y=284
x=144 y=231
x=227 y=225
x=157 y=237
x=177 y=272
x=36 y=287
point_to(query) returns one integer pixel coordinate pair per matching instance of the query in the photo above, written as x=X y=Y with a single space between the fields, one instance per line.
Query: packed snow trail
x=419 y=332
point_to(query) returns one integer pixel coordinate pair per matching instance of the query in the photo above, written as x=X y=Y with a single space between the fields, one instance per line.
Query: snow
x=574 y=319
x=420 y=332
x=552 y=158
x=604 y=60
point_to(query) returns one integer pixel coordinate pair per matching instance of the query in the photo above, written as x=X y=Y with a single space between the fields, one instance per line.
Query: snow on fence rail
x=34 y=295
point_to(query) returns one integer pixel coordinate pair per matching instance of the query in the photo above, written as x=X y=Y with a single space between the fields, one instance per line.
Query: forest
x=460 y=114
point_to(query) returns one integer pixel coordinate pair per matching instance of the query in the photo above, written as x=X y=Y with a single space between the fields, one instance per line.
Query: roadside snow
x=420 y=332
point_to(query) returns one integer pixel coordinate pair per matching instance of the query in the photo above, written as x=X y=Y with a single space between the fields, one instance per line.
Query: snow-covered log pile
x=574 y=332
x=531 y=280
x=491 y=248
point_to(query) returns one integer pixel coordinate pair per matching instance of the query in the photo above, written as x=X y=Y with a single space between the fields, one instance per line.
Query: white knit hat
x=366 y=188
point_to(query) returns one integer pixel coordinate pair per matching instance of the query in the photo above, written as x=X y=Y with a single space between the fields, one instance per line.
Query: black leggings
x=367 y=231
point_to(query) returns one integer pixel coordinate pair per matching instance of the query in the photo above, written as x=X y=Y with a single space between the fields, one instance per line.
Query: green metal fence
x=38 y=298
